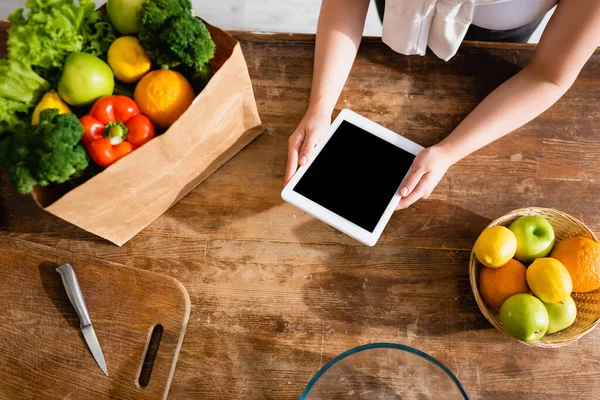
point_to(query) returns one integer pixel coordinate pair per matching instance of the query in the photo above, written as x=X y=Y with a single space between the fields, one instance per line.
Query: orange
x=163 y=95
x=581 y=256
x=498 y=284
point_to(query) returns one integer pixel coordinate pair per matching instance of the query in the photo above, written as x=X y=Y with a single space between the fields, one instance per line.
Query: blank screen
x=355 y=175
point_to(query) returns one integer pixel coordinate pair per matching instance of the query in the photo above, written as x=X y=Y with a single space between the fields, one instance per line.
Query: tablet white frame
x=329 y=217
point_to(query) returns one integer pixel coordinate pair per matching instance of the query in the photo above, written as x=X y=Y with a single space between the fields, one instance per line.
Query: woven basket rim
x=474 y=267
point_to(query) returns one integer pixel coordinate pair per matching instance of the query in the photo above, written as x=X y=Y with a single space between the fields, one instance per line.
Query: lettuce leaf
x=20 y=83
x=12 y=115
x=51 y=29
x=20 y=89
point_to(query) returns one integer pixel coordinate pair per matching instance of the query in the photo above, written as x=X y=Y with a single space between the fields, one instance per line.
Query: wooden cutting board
x=42 y=350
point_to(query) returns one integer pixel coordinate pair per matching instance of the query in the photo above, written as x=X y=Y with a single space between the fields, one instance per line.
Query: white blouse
x=410 y=26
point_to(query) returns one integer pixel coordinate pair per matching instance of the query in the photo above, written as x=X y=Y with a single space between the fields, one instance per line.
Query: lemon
x=495 y=247
x=50 y=100
x=128 y=59
x=549 y=280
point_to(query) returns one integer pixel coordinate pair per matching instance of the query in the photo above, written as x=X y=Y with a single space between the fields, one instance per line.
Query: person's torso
x=410 y=26
x=510 y=14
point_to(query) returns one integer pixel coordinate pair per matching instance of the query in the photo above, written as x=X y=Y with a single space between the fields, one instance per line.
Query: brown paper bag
x=126 y=197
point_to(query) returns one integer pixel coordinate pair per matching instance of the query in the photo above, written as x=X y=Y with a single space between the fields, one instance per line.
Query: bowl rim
x=383 y=345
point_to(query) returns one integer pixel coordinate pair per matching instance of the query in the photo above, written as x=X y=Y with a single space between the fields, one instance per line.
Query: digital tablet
x=352 y=179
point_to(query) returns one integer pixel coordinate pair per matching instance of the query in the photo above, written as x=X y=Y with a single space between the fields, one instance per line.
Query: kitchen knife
x=69 y=279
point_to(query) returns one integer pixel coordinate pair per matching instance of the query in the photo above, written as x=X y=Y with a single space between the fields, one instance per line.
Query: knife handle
x=69 y=279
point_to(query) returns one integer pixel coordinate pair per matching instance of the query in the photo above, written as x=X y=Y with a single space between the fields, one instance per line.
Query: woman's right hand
x=309 y=132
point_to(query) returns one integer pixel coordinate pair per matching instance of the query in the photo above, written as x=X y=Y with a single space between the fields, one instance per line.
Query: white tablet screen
x=355 y=175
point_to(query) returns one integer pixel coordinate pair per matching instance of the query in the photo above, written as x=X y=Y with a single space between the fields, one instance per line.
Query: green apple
x=561 y=315
x=535 y=237
x=524 y=317
x=123 y=15
x=85 y=79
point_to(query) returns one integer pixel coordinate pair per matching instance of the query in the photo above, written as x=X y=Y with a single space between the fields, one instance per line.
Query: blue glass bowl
x=384 y=371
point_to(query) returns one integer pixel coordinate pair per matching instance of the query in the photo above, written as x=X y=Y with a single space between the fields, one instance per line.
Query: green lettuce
x=13 y=115
x=20 y=89
x=51 y=29
x=19 y=82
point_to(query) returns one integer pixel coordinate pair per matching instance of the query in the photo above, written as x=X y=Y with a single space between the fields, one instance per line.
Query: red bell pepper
x=114 y=128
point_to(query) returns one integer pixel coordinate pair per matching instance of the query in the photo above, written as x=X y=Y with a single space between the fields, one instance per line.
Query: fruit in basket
x=163 y=95
x=495 y=246
x=128 y=60
x=549 y=280
x=123 y=15
x=498 y=284
x=524 y=317
x=50 y=100
x=561 y=315
x=535 y=237
x=114 y=128
x=85 y=79
x=581 y=257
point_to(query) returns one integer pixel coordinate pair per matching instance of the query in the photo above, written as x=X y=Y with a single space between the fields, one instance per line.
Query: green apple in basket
x=561 y=315
x=535 y=237
x=524 y=317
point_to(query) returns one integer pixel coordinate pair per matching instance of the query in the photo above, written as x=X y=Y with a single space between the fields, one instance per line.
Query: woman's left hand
x=427 y=170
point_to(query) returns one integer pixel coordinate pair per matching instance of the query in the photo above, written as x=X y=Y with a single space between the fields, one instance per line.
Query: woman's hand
x=339 y=32
x=312 y=128
x=427 y=170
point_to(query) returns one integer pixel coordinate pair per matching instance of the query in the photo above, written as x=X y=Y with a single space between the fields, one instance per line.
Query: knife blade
x=67 y=273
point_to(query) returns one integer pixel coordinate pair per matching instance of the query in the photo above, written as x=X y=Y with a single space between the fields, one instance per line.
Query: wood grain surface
x=43 y=354
x=275 y=293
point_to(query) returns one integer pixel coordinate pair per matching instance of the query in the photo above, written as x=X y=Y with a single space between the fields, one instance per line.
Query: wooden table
x=276 y=294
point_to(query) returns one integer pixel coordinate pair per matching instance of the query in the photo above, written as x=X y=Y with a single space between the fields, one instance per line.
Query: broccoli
x=46 y=153
x=174 y=38
x=155 y=13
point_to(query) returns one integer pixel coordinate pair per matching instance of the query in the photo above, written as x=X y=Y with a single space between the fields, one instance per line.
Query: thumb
x=410 y=182
x=310 y=141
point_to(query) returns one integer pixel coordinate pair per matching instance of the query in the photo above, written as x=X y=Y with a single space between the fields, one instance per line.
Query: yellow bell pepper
x=128 y=59
x=50 y=100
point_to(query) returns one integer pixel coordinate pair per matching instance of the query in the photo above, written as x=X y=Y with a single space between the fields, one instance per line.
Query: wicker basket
x=588 y=304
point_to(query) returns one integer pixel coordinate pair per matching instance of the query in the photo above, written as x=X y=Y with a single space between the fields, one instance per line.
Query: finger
x=422 y=189
x=307 y=147
x=410 y=182
x=292 y=164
